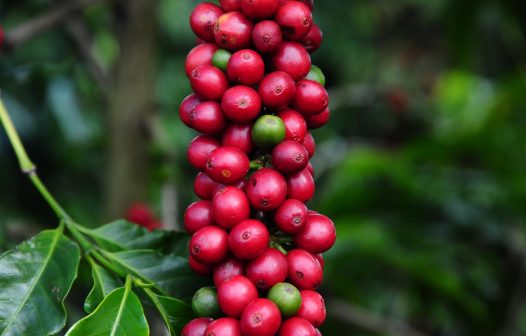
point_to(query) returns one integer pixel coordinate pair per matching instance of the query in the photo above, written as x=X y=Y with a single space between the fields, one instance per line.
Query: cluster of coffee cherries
x=256 y=96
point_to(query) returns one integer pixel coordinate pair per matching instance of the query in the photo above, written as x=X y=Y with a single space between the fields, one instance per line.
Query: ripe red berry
x=291 y=216
x=289 y=157
x=229 y=207
x=235 y=294
x=293 y=59
x=196 y=327
x=296 y=326
x=139 y=213
x=227 y=270
x=319 y=257
x=295 y=20
x=305 y=271
x=233 y=31
x=267 y=36
x=230 y=5
x=199 y=150
x=208 y=82
x=310 y=168
x=199 y=55
x=209 y=245
x=312 y=41
x=239 y=184
x=227 y=165
x=260 y=318
x=207 y=118
x=248 y=239
x=204 y=186
x=268 y=269
x=203 y=19
x=312 y=307
x=310 y=144
x=245 y=67
x=239 y=136
x=295 y=125
x=241 y=104
x=300 y=186
x=225 y=326
x=187 y=107
x=260 y=9
x=319 y=120
x=266 y=189
x=311 y=98
x=197 y=216
x=277 y=89
x=200 y=268
x=318 y=234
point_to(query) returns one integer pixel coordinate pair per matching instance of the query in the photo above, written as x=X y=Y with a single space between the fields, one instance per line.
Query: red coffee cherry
x=291 y=216
x=203 y=20
x=200 y=55
x=312 y=307
x=260 y=317
x=240 y=184
x=296 y=326
x=225 y=326
x=311 y=98
x=304 y=270
x=260 y=9
x=230 y=5
x=266 y=189
x=313 y=40
x=295 y=20
x=319 y=120
x=245 y=67
x=233 y=31
x=186 y=109
x=295 y=125
x=300 y=186
x=241 y=104
x=199 y=150
x=208 y=82
x=196 y=327
x=309 y=144
x=318 y=234
x=293 y=59
x=207 y=118
x=197 y=216
x=277 y=89
x=204 y=186
x=209 y=245
x=310 y=169
x=289 y=157
x=229 y=207
x=267 y=37
x=235 y=294
x=248 y=239
x=199 y=268
x=239 y=136
x=227 y=165
x=268 y=269
x=227 y=270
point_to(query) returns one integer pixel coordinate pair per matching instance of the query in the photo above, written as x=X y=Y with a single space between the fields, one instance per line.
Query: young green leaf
x=175 y=313
x=103 y=283
x=34 y=280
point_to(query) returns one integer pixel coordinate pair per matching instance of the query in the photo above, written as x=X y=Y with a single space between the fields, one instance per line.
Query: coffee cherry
x=268 y=269
x=204 y=302
x=225 y=326
x=227 y=165
x=316 y=75
x=241 y=104
x=268 y=131
x=227 y=270
x=317 y=236
x=233 y=31
x=319 y=257
x=313 y=40
x=187 y=107
x=311 y=98
x=260 y=318
x=199 y=150
x=300 y=186
x=295 y=20
x=295 y=125
x=248 y=239
x=266 y=189
x=239 y=136
x=291 y=216
x=296 y=326
x=267 y=37
x=230 y=5
x=286 y=297
x=209 y=245
x=260 y=9
x=289 y=157
x=319 y=120
x=277 y=89
x=293 y=59
x=309 y=3
x=204 y=186
x=203 y=20
x=202 y=54
x=235 y=294
x=309 y=144
x=229 y=207
x=245 y=67
x=207 y=118
x=312 y=307
x=208 y=82
x=199 y=268
x=220 y=58
x=310 y=169
x=197 y=216
x=196 y=327
x=304 y=270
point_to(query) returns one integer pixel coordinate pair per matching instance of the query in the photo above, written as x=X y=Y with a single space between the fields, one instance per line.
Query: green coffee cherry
x=205 y=304
x=286 y=297
x=316 y=75
x=268 y=131
x=220 y=59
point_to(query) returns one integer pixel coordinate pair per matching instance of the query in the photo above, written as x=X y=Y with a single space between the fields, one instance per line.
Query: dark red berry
x=199 y=150
x=227 y=165
x=310 y=168
x=227 y=270
x=260 y=318
x=312 y=307
x=229 y=207
x=296 y=326
x=277 y=89
x=200 y=268
x=239 y=136
x=186 y=109
x=245 y=67
x=305 y=271
x=239 y=184
x=230 y=5
x=235 y=294
x=312 y=41
x=311 y=98
x=268 y=269
x=289 y=157
x=207 y=118
x=267 y=37
x=196 y=327
x=310 y=144
x=200 y=55
x=209 y=245
x=293 y=59
x=204 y=186
x=197 y=216
x=208 y=82
x=291 y=216
x=260 y=9
x=318 y=234
x=225 y=326
x=300 y=186
x=309 y=3
x=320 y=259
x=248 y=239
x=295 y=20
x=266 y=189
x=203 y=19
x=319 y=120
x=295 y=125
x=241 y=104
x=233 y=31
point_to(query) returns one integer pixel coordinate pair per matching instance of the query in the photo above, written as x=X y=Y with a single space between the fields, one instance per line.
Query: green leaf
x=103 y=284
x=175 y=313
x=119 y=314
x=34 y=280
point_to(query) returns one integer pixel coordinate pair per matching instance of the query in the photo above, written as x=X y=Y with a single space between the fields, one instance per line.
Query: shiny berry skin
x=311 y=98
x=260 y=9
x=225 y=326
x=289 y=157
x=286 y=297
x=230 y=5
x=241 y=104
x=268 y=131
x=309 y=3
x=295 y=20
x=300 y=186
x=204 y=186
x=260 y=318
x=208 y=82
x=268 y=269
x=318 y=234
x=227 y=165
x=320 y=259
x=296 y=326
x=245 y=67
x=233 y=31
x=266 y=189
x=312 y=307
x=235 y=294
x=227 y=270
x=187 y=107
x=293 y=59
x=313 y=40
x=200 y=268
x=220 y=58
x=295 y=125
x=209 y=245
x=203 y=19
x=277 y=89
x=248 y=239
x=229 y=207
x=200 y=55
x=197 y=216
x=310 y=144
x=204 y=302
x=319 y=120
x=239 y=136
x=196 y=327
x=199 y=150
x=208 y=118
x=305 y=271
x=267 y=37
x=291 y=216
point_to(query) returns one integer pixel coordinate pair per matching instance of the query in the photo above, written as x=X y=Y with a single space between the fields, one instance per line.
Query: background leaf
x=103 y=284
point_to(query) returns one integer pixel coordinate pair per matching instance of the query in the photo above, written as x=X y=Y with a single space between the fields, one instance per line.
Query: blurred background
x=422 y=166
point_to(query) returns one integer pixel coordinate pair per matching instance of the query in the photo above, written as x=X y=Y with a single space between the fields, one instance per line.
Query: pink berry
x=199 y=55
x=245 y=67
x=300 y=186
x=187 y=107
x=268 y=269
x=305 y=271
x=318 y=234
x=199 y=150
x=291 y=216
x=229 y=207
x=277 y=89
x=209 y=245
x=235 y=294
x=197 y=216
x=227 y=165
x=208 y=82
x=207 y=118
x=293 y=59
x=296 y=326
x=295 y=125
x=312 y=307
x=227 y=270
x=310 y=144
x=204 y=186
x=248 y=239
x=241 y=104
x=203 y=19
x=261 y=317
x=196 y=327
x=266 y=189
x=225 y=326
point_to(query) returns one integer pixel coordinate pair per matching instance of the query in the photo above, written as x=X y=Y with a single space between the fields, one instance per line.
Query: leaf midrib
x=121 y=309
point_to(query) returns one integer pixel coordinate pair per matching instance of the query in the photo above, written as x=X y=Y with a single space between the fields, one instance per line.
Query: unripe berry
x=295 y=125
x=312 y=307
x=304 y=270
x=289 y=157
x=293 y=59
x=245 y=67
x=229 y=207
x=268 y=269
x=241 y=104
x=266 y=189
x=225 y=326
x=235 y=294
x=277 y=89
x=204 y=302
x=233 y=31
x=316 y=75
x=227 y=165
x=203 y=20
x=295 y=20
x=208 y=82
x=296 y=326
x=220 y=59
x=268 y=131
x=227 y=270
x=209 y=245
x=197 y=216
x=260 y=318
x=196 y=327
x=311 y=98
x=248 y=239
x=286 y=297
x=201 y=54
x=291 y=216
x=267 y=37
x=239 y=136
x=317 y=236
